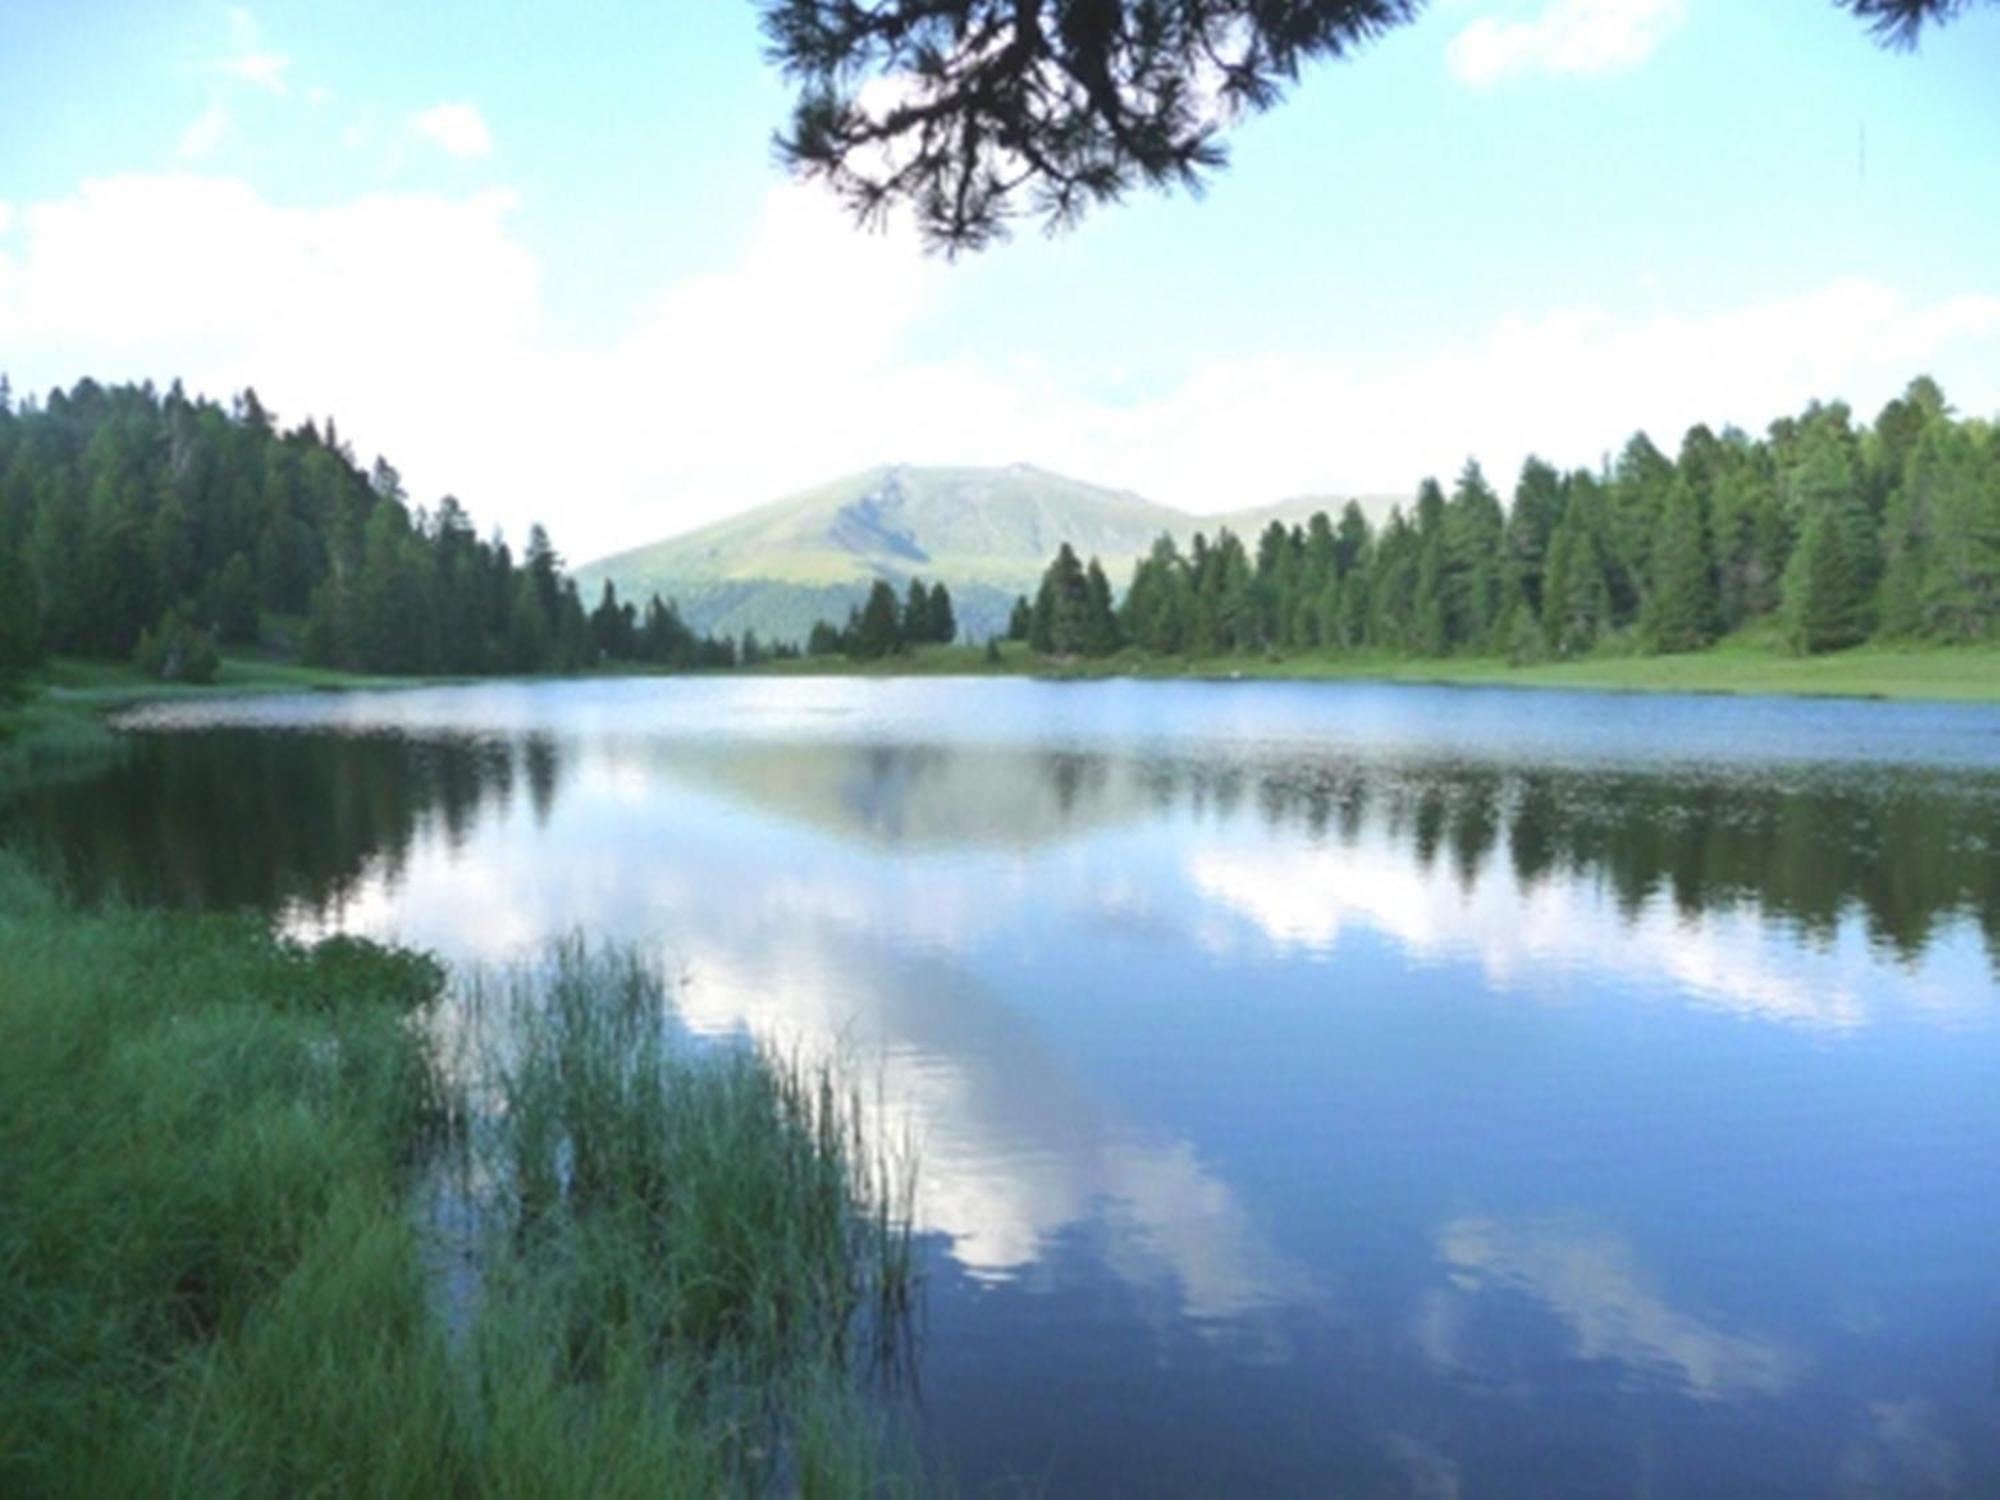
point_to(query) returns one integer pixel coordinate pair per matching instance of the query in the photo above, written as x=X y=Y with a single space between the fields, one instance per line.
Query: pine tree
x=878 y=632
x=1062 y=607
x=916 y=627
x=1823 y=609
x=607 y=625
x=1042 y=619
x=1227 y=587
x=1960 y=593
x=1154 y=612
x=944 y=619
x=1824 y=481
x=1099 y=625
x=1531 y=525
x=1020 y=619
x=1576 y=609
x=1681 y=608
x=1634 y=503
x=1352 y=540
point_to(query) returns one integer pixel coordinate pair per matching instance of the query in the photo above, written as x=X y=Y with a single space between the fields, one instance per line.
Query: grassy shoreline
x=1946 y=674
x=222 y=1157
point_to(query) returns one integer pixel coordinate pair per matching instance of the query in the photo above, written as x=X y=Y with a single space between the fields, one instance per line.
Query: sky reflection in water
x=1318 y=1090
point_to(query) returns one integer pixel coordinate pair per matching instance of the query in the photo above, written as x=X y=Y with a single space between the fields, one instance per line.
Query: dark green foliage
x=1021 y=620
x=878 y=631
x=944 y=619
x=229 y=599
x=20 y=636
x=1681 y=608
x=880 y=627
x=1100 y=635
x=1668 y=553
x=917 y=613
x=1073 y=614
x=1531 y=525
x=119 y=504
x=1952 y=510
x=1472 y=549
x=1157 y=605
x=1823 y=606
x=176 y=650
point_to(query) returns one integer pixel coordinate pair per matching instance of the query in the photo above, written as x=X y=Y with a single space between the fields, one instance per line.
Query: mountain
x=987 y=533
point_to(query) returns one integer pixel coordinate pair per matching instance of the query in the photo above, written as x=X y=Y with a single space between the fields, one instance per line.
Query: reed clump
x=267 y=1229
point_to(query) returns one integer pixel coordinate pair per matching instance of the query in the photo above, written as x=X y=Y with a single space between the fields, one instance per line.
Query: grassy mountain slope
x=987 y=533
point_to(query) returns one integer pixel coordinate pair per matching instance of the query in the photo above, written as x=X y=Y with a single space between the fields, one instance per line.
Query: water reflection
x=1590 y=1281
x=227 y=818
x=1343 y=1102
x=230 y=817
x=1525 y=869
x=1014 y=1146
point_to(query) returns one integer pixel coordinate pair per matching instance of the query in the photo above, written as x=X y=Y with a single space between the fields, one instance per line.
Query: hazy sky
x=538 y=255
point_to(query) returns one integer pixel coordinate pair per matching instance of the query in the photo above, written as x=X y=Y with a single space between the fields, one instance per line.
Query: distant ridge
x=987 y=533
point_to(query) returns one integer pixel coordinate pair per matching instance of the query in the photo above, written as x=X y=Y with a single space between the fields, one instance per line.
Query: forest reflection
x=1910 y=851
x=250 y=818
x=234 y=818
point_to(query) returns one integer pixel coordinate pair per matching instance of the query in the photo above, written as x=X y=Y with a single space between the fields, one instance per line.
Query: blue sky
x=540 y=257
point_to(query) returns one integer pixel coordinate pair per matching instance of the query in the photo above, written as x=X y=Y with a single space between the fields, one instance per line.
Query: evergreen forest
x=1825 y=532
x=150 y=526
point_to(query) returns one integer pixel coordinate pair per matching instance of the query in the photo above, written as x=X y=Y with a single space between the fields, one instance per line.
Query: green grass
x=1738 y=665
x=113 y=683
x=262 y=1234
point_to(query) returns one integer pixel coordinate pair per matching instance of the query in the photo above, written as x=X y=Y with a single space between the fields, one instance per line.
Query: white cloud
x=455 y=129
x=205 y=134
x=417 y=320
x=1565 y=36
x=6 y=216
x=1569 y=384
x=248 y=59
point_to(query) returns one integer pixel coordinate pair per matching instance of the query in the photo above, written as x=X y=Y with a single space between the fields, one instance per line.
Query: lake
x=1319 y=1089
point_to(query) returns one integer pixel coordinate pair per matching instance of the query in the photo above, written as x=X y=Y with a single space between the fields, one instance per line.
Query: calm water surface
x=1321 y=1090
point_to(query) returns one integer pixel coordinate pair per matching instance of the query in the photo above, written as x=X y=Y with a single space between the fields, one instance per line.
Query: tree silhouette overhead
x=1899 y=23
x=974 y=113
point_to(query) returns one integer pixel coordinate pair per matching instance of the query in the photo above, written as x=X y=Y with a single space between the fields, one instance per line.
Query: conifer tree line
x=880 y=626
x=153 y=526
x=1826 y=531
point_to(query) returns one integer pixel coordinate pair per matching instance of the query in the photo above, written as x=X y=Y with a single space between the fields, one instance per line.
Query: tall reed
x=227 y=1267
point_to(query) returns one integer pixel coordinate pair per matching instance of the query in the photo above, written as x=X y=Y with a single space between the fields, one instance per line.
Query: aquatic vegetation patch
x=221 y=1156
